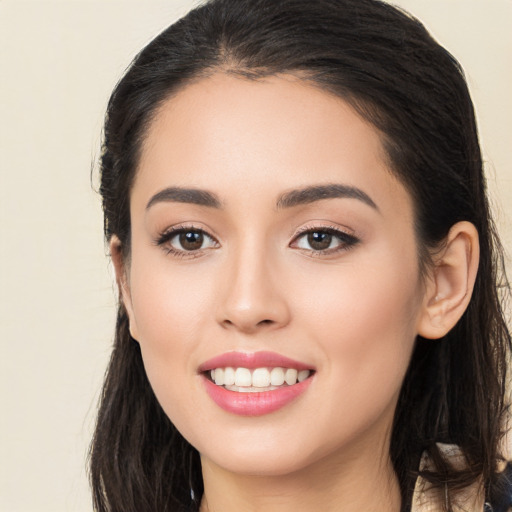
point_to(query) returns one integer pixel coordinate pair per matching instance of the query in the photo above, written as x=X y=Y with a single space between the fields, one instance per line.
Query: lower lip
x=254 y=404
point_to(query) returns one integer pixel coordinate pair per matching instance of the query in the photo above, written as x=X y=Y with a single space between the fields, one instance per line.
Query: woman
x=309 y=276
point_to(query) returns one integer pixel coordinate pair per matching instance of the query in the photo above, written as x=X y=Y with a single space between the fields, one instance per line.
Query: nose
x=253 y=298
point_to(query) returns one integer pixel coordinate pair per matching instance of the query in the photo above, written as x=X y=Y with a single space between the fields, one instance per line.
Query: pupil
x=191 y=240
x=319 y=240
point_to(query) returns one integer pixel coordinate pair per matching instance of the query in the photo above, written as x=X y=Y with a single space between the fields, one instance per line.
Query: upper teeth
x=258 y=378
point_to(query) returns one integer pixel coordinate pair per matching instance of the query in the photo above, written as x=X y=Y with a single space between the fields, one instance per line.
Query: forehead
x=259 y=137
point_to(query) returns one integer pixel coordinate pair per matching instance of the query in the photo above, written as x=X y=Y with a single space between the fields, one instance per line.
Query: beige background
x=58 y=63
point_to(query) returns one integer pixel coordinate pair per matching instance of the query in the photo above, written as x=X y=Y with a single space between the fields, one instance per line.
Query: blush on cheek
x=370 y=328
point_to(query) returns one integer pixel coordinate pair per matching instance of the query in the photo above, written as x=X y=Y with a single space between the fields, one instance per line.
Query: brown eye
x=183 y=240
x=324 y=241
x=319 y=240
x=191 y=240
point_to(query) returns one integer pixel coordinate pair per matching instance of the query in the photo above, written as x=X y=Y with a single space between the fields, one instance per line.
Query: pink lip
x=258 y=403
x=254 y=404
x=252 y=360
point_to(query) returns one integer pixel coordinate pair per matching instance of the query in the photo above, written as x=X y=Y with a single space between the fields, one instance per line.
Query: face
x=269 y=235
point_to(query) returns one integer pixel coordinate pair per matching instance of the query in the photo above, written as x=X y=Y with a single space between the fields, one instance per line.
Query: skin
x=256 y=284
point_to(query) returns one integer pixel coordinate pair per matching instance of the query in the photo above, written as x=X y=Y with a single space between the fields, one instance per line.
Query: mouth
x=253 y=384
x=258 y=380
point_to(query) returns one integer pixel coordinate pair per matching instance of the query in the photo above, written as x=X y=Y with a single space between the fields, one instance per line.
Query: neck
x=343 y=482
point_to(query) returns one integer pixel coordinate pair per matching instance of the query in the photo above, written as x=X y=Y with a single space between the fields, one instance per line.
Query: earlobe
x=123 y=286
x=451 y=281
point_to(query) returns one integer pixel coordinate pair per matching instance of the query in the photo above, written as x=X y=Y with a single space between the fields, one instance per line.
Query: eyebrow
x=318 y=192
x=287 y=200
x=185 y=195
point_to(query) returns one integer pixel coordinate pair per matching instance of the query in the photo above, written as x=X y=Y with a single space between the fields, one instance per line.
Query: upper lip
x=252 y=360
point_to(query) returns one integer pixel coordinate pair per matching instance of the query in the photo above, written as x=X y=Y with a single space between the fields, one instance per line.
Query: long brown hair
x=384 y=63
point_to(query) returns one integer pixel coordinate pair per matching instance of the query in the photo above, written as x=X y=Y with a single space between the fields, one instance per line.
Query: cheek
x=170 y=309
x=364 y=319
x=167 y=301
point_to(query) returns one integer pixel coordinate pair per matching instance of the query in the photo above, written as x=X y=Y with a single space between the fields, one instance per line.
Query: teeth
x=302 y=375
x=251 y=389
x=245 y=380
x=229 y=376
x=290 y=376
x=219 y=376
x=260 y=378
x=243 y=377
x=277 y=377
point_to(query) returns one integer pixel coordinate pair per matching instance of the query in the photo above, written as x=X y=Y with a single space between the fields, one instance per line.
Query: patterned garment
x=471 y=499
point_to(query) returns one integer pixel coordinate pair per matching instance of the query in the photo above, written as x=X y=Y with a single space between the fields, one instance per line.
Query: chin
x=264 y=453
x=262 y=464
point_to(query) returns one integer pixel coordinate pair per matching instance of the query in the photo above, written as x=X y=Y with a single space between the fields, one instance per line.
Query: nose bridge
x=252 y=297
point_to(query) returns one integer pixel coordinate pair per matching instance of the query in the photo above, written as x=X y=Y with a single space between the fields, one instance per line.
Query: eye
x=324 y=240
x=182 y=240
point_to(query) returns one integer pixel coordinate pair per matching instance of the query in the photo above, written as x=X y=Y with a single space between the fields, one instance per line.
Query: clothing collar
x=426 y=498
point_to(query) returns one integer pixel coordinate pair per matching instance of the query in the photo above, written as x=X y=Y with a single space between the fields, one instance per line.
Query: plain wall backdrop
x=58 y=64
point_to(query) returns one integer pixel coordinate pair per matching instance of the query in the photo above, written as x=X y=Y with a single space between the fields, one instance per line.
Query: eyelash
x=346 y=240
x=164 y=241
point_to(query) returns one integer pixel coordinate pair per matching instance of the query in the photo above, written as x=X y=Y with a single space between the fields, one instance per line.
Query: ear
x=451 y=281
x=123 y=284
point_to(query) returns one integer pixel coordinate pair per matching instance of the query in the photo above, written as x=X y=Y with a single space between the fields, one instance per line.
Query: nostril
x=227 y=324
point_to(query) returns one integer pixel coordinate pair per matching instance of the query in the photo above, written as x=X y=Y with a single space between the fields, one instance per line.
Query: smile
x=245 y=380
x=253 y=384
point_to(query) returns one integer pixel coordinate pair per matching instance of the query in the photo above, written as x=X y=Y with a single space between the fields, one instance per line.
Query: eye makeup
x=189 y=241
x=323 y=240
x=193 y=241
